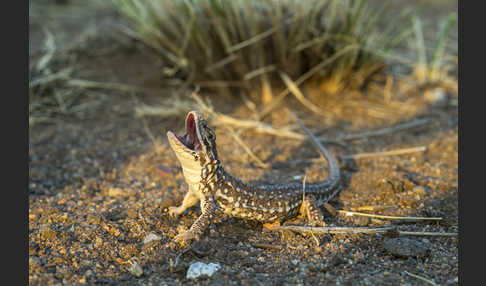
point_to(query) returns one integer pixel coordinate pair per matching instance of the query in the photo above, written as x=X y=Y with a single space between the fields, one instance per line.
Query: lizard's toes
x=184 y=238
x=174 y=211
x=269 y=225
x=317 y=223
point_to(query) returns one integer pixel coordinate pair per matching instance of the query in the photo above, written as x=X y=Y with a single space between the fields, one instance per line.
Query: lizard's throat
x=191 y=170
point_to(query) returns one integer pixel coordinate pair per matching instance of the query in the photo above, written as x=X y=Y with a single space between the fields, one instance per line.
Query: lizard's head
x=196 y=148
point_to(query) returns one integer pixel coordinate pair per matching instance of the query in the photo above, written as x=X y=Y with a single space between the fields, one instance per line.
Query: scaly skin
x=218 y=191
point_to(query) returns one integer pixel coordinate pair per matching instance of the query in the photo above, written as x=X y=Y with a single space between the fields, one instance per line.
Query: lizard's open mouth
x=190 y=139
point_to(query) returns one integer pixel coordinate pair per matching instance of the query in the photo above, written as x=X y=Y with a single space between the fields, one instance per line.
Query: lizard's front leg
x=201 y=223
x=189 y=200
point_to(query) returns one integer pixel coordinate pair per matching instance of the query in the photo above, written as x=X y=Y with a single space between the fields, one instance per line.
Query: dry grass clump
x=57 y=34
x=435 y=65
x=46 y=93
x=52 y=89
x=249 y=43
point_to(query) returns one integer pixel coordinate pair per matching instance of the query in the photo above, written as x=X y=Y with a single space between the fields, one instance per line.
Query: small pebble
x=98 y=242
x=201 y=248
x=199 y=269
x=115 y=192
x=405 y=247
x=134 y=267
x=151 y=237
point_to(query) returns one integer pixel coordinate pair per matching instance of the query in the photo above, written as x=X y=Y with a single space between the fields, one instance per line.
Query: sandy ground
x=101 y=178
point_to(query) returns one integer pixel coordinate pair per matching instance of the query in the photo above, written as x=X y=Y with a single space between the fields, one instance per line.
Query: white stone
x=151 y=236
x=198 y=269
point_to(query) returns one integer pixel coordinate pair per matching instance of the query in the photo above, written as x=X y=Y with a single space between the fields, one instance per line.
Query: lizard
x=221 y=194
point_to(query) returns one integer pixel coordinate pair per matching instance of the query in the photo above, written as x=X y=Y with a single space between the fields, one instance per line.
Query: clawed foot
x=174 y=211
x=317 y=223
x=269 y=225
x=183 y=239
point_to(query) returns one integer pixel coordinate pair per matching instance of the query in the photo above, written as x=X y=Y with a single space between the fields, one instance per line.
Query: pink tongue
x=197 y=145
x=190 y=140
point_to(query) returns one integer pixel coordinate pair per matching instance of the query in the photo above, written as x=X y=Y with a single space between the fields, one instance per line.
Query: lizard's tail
x=328 y=187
